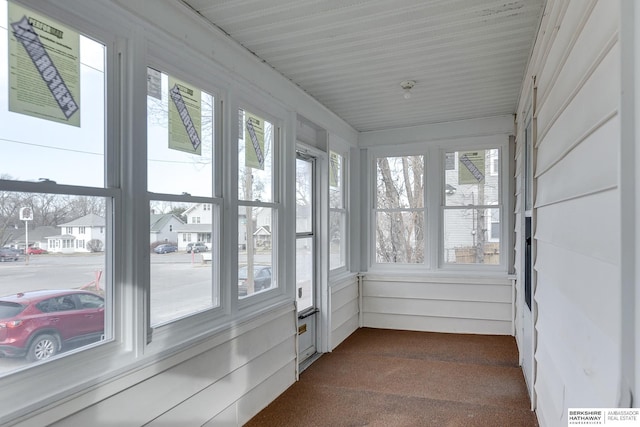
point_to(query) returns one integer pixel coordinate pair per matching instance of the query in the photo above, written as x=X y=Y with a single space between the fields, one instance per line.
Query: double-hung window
x=257 y=204
x=183 y=193
x=471 y=208
x=399 y=214
x=54 y=182
x=337 y=212
x=464 y=184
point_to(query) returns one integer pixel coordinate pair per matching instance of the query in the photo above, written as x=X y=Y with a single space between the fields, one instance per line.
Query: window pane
x=468 y=238
x=38 y=140
x=304 y=273
x=399 y=182
x=255 y=158
x=474 y=180
x=52 y=260
x=336 y=195
x=338 y=239
x=255 y=255
x=400 y=237
x=182 y=282
x=304 y=195
x=179 y=136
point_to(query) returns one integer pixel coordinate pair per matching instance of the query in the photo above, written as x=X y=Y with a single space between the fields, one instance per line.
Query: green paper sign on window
x=44 y=67
x=254 y=141
x=185 y=116
x=471 y=168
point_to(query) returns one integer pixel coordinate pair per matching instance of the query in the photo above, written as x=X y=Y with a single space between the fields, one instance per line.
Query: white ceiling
x=467 y=56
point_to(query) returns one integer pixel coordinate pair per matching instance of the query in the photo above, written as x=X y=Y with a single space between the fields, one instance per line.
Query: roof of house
x=194 y=228
x=90 y=220
x=42 y=232
x=159 y=221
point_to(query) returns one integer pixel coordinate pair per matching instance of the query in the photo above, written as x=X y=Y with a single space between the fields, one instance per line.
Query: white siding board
x=583 y=115
x=436 y=324
x=453 y=309
x=577 y=208
x=344 y=296
x=595 y=150
x=594 y=36
x=344 y=310
x=179 y=383
x=341 y=332
x=589 y=283
x=550 y=53
x=588 y=225
x=549 y=388
x=226 y=418
x=344 y=313
x=439 y=291
x=590 y=378
x=200 y=408
x=263 y=394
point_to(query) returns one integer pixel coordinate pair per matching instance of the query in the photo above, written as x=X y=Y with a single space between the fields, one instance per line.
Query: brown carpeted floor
x=390 y=378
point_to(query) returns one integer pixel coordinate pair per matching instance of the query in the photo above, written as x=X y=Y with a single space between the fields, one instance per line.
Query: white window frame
x=502 y=147
x=166 y=56
x=274 y=115
x=434 y=188
x=373 y=168
x=334 y=272
x=79 y=368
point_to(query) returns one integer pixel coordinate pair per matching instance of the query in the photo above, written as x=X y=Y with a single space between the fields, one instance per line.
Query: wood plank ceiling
x=467 y=57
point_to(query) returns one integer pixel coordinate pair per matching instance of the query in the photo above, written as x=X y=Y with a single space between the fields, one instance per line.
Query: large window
x=399 y=210
x=472 y=207
x=57 y=199
x=183 y=209
x=337 y=212
x=257 y=207
x=457 y=200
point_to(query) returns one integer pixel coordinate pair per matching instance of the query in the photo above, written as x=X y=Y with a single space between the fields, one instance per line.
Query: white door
x=306 y=257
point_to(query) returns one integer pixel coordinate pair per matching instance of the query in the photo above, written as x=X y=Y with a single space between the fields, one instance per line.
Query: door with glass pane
x=306 y=293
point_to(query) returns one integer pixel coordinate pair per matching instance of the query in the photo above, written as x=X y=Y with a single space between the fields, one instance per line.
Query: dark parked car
x=197 y=247
x=9 y=254
x=165 y=248
x=38 y=324
x=261 y=279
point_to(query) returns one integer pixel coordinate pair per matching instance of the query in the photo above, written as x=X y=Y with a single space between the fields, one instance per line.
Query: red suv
x=38 y=324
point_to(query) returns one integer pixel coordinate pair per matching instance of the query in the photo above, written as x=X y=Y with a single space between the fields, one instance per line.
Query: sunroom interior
x=246 y=184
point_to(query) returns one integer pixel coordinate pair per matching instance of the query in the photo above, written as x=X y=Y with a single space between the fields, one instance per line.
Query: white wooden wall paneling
x=439 y=308
x=345 y=313
x=592 y=106
x=344 y=310
x=436 y=324
x=575 y=275
x=549 y=388
x=568 y=29
x=578 y=225
x=149 y=399
x=484 y=292
x=263 y=394
x=550 y=26
x=593 y=165
x=592 y=370
x=587 y=225
x=201 y=407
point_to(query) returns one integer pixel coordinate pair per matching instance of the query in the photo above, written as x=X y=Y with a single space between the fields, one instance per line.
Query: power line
x=203 y=162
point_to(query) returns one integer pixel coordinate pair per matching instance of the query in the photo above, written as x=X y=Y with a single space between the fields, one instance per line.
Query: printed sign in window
x=254 y=142
x=185 y=116
x=44 y=67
